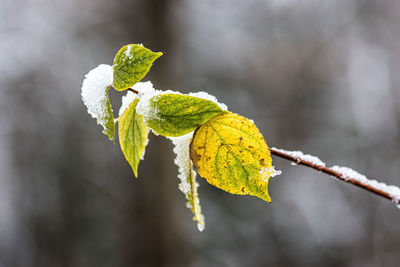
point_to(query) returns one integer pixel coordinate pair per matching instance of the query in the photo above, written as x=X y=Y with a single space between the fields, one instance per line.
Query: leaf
x=131 y=64
x=107 y=120
x=193 y=198
x=187 y=175
x=95 y=89
x=133 y=134
x=176 y=114
x=231 y=154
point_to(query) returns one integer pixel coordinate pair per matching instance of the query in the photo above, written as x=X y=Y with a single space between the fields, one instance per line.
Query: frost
x=267 y=172
x=301 y=156
x=94 y=89
x=144 y=151
x=349 y=174
x=182 y=160
x=144 y=106
x=185 y=170
x=212 y=98
x=128 y=51
x=144 y=88
x=94 y=92
x=146 y=92
x=126 y=101
x=201 y=225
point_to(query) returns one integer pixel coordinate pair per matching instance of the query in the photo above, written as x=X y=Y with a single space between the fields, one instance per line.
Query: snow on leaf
x=187 y=175
x=144 y=88
x=207 y=96
x=267 y=172
x=95 y=96
x=231 y=154
x=177 y=114
x=126 y=101
x=131 y=64
x=133 y=135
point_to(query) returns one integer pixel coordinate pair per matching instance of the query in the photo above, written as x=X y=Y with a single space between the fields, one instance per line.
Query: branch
x=344 y=174
x=133 y=90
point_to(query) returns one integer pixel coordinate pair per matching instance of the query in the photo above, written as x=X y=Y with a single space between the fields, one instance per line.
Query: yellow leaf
x=231 y=154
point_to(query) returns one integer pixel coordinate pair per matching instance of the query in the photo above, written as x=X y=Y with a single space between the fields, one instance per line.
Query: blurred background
x=319 y=76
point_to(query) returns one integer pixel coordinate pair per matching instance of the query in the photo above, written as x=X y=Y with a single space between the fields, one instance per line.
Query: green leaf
x=133 y=134
x=176 y=114
x=107 y=120
x=131 y=64
x=231 y=154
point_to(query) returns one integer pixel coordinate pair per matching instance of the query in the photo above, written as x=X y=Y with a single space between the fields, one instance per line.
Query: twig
x=364 y=183
x=133 y=91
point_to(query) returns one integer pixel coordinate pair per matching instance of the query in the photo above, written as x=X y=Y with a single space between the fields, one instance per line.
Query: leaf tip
x=200 y=227
x=268 y=199
x=110 y=133
x=135 y=172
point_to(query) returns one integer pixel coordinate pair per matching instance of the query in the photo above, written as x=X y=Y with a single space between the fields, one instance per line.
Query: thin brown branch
x=133 y=90
x=331 y=172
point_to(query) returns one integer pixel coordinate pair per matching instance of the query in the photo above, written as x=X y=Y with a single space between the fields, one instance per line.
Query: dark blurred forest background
x=319 y=76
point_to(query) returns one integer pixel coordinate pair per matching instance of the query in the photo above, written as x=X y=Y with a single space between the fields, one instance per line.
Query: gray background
x=320 y=76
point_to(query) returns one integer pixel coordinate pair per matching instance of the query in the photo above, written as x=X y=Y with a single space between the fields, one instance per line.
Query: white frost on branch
x=94 y=92
x=301 y=156
x=350 y=174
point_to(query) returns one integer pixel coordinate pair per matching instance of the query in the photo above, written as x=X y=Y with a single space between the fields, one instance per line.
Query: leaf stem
x=352 y=180
x=133 y=90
